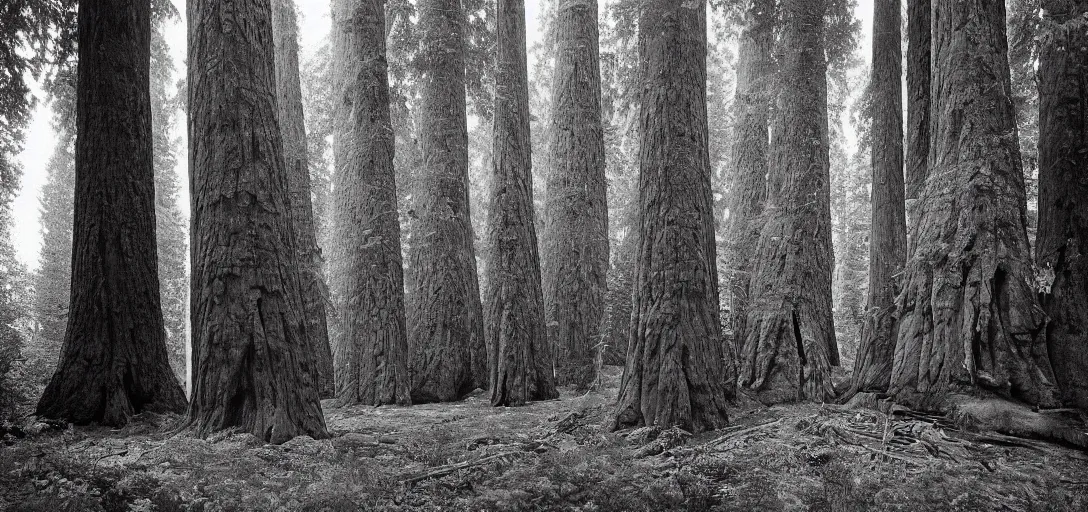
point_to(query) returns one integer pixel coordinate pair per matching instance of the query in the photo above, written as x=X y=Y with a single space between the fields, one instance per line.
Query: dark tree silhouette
x=677 y=372
x=113 y=362
x=1063 y=189
x=371 y=347
x=519 y=358
x=253 y=366
x=575 y=241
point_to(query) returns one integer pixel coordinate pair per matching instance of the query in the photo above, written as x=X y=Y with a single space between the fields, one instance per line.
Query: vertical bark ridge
x=919 y=48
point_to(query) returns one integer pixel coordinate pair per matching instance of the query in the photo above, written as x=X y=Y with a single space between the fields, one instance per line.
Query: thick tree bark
x=919 y=49
x=575 y=255
x=969 y=318
x=252 y=358
x=293 y=129
x=371 y=349
x=1063 y=187
x=789 y=345
x=113 y=362
x=748 y=186
x=677 y=372
x=445 y=312
x=519 y=357
x=888 y=244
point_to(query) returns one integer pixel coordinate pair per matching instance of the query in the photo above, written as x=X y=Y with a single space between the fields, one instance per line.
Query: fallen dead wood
x=453 y=468
x=743 y=431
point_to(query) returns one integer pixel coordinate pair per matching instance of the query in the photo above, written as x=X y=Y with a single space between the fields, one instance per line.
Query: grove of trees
x=719 y=211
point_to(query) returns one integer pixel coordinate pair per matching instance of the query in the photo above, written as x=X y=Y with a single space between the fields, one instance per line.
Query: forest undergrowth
x=550 y=455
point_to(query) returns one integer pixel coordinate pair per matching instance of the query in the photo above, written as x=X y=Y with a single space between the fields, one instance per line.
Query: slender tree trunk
x=519 y=358
x=371 y=348
x=918 y=107
x=748 y=186
x=293 y=129
x=252 y=358
x=676 y=372
x=445 y=313
x=789 y=344
x=575 y=255
x=888 y=245
x=620 y=286
x=969 y=318
x=1063 y=226
x=113 y=362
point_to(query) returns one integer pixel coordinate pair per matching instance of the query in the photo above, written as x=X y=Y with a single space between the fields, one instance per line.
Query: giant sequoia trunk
x=252 y=358
x=113 y=362
x=445 y=314
x=789 y=345
x=371 y=346
x=1063 y=192
x=293 y=128
x=969 y=318
x=575 y=255
x=519 y=358
x=918 y=115
x=888 y=244
x=677 y=372
x=748 y=187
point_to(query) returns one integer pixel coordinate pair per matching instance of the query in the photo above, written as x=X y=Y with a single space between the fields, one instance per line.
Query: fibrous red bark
x=677 y=372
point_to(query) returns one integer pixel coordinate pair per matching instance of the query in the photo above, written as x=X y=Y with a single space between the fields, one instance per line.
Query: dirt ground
x=550 y=455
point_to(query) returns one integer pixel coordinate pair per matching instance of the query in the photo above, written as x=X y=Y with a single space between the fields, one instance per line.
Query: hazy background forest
x=42 y=208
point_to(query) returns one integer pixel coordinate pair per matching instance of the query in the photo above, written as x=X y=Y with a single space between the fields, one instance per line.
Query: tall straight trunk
x=969 y=318
x=445 y=313
x=371 y=347
x=113 y=362
x=1063 y=226
x=789 y=345
x=519 y=358
x=252 y=359
x=293 y=129
x=748 y=186
x=620 y=286
x=575 y=255
x=919 y=50
x=677 y=372
x=888 y=244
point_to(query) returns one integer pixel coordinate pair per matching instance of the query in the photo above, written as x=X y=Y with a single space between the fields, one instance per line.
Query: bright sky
x=314 y=26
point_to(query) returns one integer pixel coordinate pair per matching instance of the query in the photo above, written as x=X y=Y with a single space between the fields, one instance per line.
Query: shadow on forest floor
x=550 y=455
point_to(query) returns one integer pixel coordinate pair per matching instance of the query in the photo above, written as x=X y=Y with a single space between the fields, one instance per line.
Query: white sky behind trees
x=313 y=27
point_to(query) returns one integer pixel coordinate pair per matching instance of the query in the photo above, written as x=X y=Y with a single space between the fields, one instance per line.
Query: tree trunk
x=445 y=313
x=888 y=245
x=789 y=345
x=575 y=255
x=918 y=107
x=113 y=362
x=969 y=318
x=293 y=129
x=252 y=358
x=748 y=186
x=1063 y=227
x=519 y=358
x=621 y=281
x=676 y=372
x=371 y=348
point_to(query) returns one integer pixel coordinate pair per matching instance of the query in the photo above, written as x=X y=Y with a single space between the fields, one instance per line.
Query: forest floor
x=551 y=455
